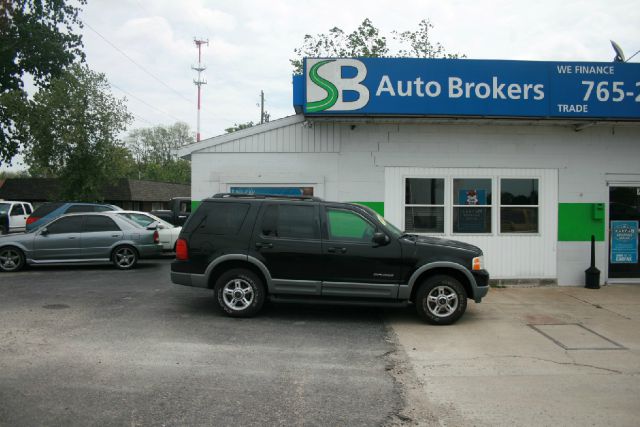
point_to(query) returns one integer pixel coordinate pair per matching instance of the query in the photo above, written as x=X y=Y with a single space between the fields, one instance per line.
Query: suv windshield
x=395 y=231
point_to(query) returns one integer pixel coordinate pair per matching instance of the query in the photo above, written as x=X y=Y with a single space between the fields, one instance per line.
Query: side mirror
x=380 y=238
x=44 y=231
x=153 y=226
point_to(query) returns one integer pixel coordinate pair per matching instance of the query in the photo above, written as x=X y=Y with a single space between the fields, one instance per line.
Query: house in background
x=129 y=194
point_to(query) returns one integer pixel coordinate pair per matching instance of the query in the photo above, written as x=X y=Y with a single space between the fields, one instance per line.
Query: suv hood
x=438 y=241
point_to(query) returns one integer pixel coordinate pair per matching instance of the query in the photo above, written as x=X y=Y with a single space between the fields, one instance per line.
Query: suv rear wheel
x=240 y=293
x=441 y=300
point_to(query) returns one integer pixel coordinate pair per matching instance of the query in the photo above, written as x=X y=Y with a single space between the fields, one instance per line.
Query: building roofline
x=185 y=152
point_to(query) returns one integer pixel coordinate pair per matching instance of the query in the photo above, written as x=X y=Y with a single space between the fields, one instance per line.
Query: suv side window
x=220 y=218
x=27 y=208
x=290 y=222
x=344 y=224
x=71 y=224
x=17 y=209
x=100 y=208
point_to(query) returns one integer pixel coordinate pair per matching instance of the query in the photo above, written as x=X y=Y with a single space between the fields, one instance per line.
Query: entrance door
x=624 y=222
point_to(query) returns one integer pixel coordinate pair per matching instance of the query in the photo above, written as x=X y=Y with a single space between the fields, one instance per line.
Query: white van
x=13 y=216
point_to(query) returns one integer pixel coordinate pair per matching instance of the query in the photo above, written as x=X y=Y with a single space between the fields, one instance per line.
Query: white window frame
x=494 y=206
x=490 y=206
x=500 y=205
x=443 y=206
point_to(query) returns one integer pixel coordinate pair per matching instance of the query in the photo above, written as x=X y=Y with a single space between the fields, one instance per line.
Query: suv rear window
x=220 y=218
x=46 y=209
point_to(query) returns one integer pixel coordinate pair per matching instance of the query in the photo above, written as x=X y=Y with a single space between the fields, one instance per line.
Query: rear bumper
x=188 y=279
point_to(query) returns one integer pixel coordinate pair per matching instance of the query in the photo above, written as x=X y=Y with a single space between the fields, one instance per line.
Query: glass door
x=624 y=221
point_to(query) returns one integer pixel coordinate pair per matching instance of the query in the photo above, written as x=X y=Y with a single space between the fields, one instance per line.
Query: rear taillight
x=182 y=251
x=32 y=219
x=156 y=237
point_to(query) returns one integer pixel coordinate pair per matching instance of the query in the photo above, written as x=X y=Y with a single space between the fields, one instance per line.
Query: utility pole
x=261 y=107
x=199 y=67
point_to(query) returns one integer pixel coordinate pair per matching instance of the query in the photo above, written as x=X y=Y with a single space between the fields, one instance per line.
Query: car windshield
x=4 y=208
x=395 y=231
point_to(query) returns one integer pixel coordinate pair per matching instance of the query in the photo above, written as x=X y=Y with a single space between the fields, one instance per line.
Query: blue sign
x=464 y=87
x=273 y=191
x=624 y=242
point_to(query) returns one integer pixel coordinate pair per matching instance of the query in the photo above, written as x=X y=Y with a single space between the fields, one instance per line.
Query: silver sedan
x=87 y=238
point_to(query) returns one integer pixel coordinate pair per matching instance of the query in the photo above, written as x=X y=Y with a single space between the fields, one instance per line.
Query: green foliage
x=239 y=126
x=153 y=153
x=366 y=41
x=71 y=132
x=36 y=38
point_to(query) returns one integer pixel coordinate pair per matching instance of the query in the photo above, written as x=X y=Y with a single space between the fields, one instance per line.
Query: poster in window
x=472 y=219
x=624 y=242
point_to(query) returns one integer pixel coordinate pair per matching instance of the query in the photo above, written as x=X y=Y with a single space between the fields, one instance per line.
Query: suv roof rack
x=265 y=196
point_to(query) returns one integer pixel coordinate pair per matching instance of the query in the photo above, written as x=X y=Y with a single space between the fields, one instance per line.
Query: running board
x=338 y=301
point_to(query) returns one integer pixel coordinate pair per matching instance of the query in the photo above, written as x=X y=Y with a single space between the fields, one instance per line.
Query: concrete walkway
x=558 y=356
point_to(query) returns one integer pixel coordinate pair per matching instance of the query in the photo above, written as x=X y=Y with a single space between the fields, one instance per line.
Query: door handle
x=261 y=245
x=114 y=235
x=334 y=250
x=71 y=237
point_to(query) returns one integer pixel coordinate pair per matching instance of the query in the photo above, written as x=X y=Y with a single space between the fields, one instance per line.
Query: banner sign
x=464 y=87
x=624 y=242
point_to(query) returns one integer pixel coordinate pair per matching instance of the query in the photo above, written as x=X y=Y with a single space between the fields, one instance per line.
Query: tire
x=240 y=293
x=124 y=257
x=441 y=300
x=11 y=259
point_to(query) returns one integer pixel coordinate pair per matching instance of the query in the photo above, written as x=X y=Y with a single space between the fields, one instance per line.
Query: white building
x=529 y=191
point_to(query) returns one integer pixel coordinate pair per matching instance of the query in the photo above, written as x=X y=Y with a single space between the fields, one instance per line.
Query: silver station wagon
x=87 y=238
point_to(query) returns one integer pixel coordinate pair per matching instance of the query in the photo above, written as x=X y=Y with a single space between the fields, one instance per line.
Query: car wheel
x=441 y=300
x=124 y=257
x=11 y=259
x=240 y=293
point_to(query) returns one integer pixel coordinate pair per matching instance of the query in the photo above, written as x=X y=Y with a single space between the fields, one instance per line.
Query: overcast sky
x=251 y=42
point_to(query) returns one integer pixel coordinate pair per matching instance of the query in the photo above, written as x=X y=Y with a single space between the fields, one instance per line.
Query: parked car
x=87 y=238
x=168 y=233
x=13 y=216
x=50 y=211
x=179 y=211
x=303 y=249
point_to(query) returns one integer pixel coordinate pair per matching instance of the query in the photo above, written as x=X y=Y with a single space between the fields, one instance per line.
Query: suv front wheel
x=441 y=300
x=240 y=293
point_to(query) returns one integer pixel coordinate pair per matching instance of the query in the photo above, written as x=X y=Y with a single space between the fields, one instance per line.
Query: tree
x=154 y=153
x=239 y=126
x=72 y=129
x=366 y=41
x=36 y=38
x=417 y=44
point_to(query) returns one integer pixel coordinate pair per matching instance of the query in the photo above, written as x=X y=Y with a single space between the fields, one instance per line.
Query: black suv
x=304 y=249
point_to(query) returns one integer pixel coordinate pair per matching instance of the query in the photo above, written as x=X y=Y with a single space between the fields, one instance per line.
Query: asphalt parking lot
x=97 y=346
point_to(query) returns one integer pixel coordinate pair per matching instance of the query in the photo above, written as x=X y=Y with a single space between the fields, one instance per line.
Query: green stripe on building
x=578 y=221
x=376 y=206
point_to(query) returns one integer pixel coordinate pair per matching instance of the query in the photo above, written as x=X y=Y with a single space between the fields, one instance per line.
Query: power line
x=136 y=64
x=146 y=103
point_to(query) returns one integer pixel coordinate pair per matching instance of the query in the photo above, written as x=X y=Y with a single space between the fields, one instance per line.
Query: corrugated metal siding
x=294 y=138
x=507 y=256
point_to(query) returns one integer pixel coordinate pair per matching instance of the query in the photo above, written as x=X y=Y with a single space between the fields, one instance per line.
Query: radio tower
x=201 y=80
